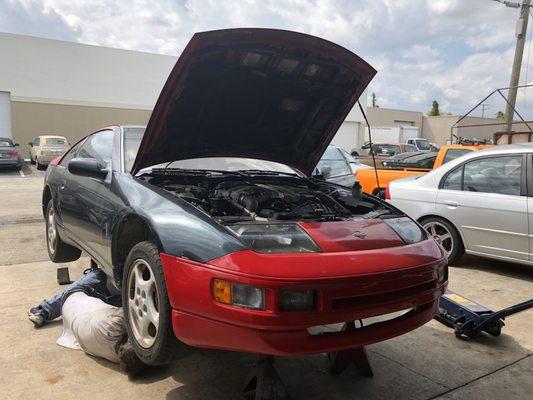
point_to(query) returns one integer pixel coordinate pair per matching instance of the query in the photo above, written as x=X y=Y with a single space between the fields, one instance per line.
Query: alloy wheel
x=143 y=308
x=51 y=230
x=441 y=234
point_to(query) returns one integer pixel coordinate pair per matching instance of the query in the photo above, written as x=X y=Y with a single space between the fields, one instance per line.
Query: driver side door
x=85 y=201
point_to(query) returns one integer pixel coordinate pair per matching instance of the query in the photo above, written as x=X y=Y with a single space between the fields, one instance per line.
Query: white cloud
x=453 y=51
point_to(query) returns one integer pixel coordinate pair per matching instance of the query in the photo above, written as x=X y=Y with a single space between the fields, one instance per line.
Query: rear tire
x=40 y=166
x=446 y=235
x=58 y=251
x=32 y=161
x=147 y=310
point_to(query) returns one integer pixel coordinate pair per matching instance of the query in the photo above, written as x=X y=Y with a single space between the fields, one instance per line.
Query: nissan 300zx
x=212 y=226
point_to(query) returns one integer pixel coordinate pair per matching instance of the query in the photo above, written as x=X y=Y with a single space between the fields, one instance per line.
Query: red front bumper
x=372 y=290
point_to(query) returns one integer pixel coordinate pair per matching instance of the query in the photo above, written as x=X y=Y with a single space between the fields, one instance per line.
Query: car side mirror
x=17 y=145
x=31 y=144
x=88 y=167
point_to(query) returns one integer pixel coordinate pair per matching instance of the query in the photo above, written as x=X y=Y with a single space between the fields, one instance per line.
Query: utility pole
x=521 y=30
x=484 y=106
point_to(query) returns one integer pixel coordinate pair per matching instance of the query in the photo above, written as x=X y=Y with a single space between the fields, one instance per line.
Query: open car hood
x=257 y=93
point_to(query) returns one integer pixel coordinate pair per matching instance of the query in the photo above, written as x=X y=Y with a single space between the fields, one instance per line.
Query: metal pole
x=521 y=29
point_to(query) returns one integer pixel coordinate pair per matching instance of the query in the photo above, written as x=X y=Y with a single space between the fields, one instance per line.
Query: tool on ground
x=63 y=277
x=264 y=382
x=469 y=319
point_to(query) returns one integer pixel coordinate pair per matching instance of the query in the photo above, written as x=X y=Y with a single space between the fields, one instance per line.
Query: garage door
x=5 y=114
x=347 y=136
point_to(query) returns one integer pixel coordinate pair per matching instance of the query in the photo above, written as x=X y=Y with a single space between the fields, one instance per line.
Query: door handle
x=451 y=203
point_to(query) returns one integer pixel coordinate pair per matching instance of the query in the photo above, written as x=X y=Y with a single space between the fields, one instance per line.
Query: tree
x=500 y=115
x=374 y=100
x=434 y=109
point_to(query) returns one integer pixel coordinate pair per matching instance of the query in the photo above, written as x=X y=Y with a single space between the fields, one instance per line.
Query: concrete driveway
x=428 y=363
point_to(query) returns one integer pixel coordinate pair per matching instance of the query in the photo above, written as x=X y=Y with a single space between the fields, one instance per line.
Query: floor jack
x=469 y=319
x=264 y=383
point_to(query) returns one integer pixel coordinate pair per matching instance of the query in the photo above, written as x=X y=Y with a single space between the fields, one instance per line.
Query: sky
x=452 y=51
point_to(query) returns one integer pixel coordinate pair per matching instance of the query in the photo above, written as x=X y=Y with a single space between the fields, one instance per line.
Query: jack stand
x=264 y=383
x=340 y=360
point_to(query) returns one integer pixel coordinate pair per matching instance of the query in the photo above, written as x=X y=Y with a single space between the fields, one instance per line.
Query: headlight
x=406 y=229
x=238 y=295
x=275 y=238
x=297 y=300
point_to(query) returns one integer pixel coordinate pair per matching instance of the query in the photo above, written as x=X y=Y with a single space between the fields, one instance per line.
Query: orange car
x=409 y=165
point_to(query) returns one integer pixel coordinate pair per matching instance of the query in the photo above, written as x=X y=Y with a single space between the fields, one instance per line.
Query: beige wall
x=437 y=129
x=385 y=117
x=74 y=122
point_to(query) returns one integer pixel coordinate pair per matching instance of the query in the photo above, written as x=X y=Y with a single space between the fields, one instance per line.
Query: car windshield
x=386 y=149
x=423 y=145
x=55 y=142
x=132 y=141
x=6 y=143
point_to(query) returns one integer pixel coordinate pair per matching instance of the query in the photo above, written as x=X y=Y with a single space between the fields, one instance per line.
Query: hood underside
x=257 y=93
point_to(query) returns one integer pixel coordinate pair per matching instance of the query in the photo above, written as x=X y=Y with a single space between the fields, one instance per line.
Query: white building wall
x=44 y=70
x=350 y=134
x=5 y=115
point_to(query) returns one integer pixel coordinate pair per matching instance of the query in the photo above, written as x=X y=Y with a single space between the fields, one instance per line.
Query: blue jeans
x=92 y=283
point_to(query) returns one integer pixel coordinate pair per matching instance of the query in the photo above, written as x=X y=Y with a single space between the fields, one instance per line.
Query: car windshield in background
x=334 y=160
x=452 y=154
x=386 y=149
x=132 y=141
x=423 y=145
x=5 y=143
x=55 y=142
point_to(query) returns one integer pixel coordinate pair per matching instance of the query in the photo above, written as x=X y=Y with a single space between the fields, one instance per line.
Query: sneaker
x=36 y=316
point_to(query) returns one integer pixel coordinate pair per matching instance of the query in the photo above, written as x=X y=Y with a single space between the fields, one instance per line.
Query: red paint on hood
x=352 y=235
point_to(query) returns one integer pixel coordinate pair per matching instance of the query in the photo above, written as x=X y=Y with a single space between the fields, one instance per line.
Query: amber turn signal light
x=222 y=291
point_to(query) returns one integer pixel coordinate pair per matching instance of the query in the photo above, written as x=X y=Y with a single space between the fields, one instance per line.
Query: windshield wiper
x=193 y=171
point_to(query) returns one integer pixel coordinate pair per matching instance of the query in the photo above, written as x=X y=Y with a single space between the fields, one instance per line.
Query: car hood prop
x=257 y=93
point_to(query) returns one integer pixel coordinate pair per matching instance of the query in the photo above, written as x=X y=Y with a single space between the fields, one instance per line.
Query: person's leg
x=93 y=283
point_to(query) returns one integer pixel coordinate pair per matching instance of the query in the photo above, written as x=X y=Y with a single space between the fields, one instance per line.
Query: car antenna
x=370 y=141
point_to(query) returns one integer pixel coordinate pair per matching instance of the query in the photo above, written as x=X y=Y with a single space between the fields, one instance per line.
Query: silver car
x=480 y=203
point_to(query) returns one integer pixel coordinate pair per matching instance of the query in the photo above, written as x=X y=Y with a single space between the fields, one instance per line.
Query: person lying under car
x=93 y=320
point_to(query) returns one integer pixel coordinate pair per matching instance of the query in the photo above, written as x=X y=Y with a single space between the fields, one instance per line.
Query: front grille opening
x=337 y=327
x=363 y=301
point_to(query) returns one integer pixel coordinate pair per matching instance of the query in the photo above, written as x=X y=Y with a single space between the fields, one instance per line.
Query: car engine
x=265 y=198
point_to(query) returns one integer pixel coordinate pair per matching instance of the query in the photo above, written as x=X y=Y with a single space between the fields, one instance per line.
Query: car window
x=454 y=180
x=409 y=149
x=333 y=159
x=452 y=154
x=132 y=141
x=494 y=175
x=71 y=154
x=36 y=142
x=98 y=146
x=55 y=142
x=423 y=145
x=386 y=149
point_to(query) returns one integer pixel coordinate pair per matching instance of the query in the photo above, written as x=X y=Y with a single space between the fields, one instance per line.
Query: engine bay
x=263 y=197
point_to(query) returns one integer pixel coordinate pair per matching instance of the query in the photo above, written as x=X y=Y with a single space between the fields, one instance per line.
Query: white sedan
x=480 y=203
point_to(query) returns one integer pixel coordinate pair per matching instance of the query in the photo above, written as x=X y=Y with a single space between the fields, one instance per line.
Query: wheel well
x=131 y=230
x=47 y=195
x=419 y=220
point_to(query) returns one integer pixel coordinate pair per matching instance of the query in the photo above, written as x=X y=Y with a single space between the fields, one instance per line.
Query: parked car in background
x=411 y=164
x=9 y=155
x=381 y=151
x=337 y=166
x=45 y=148
x=477 y=203
x=209 y=221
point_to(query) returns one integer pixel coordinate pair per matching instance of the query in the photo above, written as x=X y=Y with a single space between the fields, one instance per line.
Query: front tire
x=58 y=251
x=40 y=166
x=147 y=311
x=446 y=235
